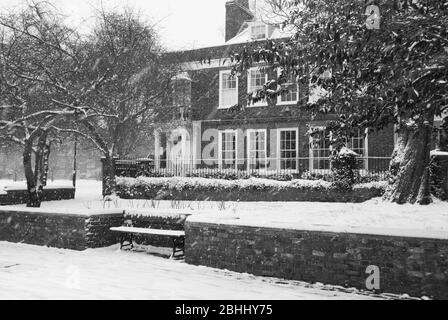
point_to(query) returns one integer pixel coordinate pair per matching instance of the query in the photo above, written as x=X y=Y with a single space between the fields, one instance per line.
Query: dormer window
x=258 y=31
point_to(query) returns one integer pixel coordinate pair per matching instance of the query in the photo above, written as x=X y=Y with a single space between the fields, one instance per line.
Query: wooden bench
x=127 y=233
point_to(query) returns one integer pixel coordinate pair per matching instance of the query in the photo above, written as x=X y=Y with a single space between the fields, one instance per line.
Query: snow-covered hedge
x=252 y=189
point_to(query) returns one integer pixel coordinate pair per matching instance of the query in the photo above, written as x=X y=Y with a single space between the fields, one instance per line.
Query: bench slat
x=160 y=232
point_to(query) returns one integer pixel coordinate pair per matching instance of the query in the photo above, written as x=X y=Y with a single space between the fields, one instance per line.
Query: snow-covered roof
x=244 y=35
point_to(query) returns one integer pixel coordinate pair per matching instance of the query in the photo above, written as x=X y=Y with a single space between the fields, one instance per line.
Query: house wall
x=205 y=108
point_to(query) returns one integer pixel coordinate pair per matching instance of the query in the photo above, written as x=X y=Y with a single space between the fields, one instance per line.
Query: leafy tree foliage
x=371 y=71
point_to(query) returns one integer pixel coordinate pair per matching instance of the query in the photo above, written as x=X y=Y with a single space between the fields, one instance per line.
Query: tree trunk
x=33 y=192
x=409 y=167
x=43 y=177
x=109 y=182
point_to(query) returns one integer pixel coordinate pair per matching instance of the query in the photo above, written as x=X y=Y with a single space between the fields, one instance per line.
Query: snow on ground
x=34 y=272
x=370 y=217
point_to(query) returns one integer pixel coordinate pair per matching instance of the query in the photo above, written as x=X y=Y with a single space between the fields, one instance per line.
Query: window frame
x=365 y=157
x=220 y=104
x=262 y=103
x=279 y=98
x=248 y=132
x=311 y=155
x=220 y=151
x=258 y=25
x=279 y=149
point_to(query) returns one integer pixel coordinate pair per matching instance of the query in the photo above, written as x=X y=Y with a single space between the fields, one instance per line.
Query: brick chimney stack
x=237 y=12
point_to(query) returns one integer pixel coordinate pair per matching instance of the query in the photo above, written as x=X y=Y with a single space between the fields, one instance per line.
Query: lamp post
x=74 y=161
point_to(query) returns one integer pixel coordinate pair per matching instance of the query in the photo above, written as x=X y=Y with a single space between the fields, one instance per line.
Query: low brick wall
x=19 y=196
x=416 y=266
x=68 y=231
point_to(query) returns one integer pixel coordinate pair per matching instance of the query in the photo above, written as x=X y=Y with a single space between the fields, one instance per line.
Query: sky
x=182 y=24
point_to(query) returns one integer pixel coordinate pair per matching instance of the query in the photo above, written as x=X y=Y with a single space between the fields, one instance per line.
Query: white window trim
x=311 y=157
x=260 y=103
x=221 y=72
x=279 y=130
x=279 y=98
x=366 y=144
x=220 y=147
x=249 y=131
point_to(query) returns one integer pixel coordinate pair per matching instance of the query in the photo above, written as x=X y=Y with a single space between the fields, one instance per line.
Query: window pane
x=256 y=149
x=358 y=145
x=290 y=93
x=288 y=149
x=228 y=149
x=320 y=151
x=229 y=90
x=258 y=32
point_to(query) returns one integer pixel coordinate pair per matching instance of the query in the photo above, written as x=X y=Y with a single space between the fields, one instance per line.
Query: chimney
x=237 y=12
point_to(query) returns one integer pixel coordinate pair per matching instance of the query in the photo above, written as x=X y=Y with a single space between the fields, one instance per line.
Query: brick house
x=211 y=131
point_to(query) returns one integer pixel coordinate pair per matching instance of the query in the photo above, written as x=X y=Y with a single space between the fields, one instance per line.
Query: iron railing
x=280 y=168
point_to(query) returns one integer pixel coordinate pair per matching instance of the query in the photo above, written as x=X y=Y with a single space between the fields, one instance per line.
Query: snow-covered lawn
x=370 y=217
x=34 y=272
x=373 y=216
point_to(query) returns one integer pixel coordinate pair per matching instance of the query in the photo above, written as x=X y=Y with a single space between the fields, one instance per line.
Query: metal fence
x=375 y=168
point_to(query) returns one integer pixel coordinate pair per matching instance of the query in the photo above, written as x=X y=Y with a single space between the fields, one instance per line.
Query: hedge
x=252 y=189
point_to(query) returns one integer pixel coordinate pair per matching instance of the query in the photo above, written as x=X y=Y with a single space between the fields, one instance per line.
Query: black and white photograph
x=222 y=151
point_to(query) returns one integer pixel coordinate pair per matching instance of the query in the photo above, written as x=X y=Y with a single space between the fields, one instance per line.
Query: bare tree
x=37 y=60
x=125 y=51
x=104 y=87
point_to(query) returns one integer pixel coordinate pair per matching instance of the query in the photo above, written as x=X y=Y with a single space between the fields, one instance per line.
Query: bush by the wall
x=438 y=170
x=344 y=166
x=19 y=196
x=252 y=189
x=312 y=175
x=278 y=176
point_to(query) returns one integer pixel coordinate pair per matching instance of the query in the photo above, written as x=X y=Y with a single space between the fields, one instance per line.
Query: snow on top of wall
x=64 y=211
x=439 y=153
x=52 y=187
x=372 y=217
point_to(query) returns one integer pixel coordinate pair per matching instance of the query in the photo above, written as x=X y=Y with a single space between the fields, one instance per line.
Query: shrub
x=438 y=170
x=252 y=189
x=344 y=166
x=308 y=175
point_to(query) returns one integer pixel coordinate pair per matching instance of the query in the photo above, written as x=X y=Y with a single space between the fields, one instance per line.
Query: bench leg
x=178 y=246
x=129 y=238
